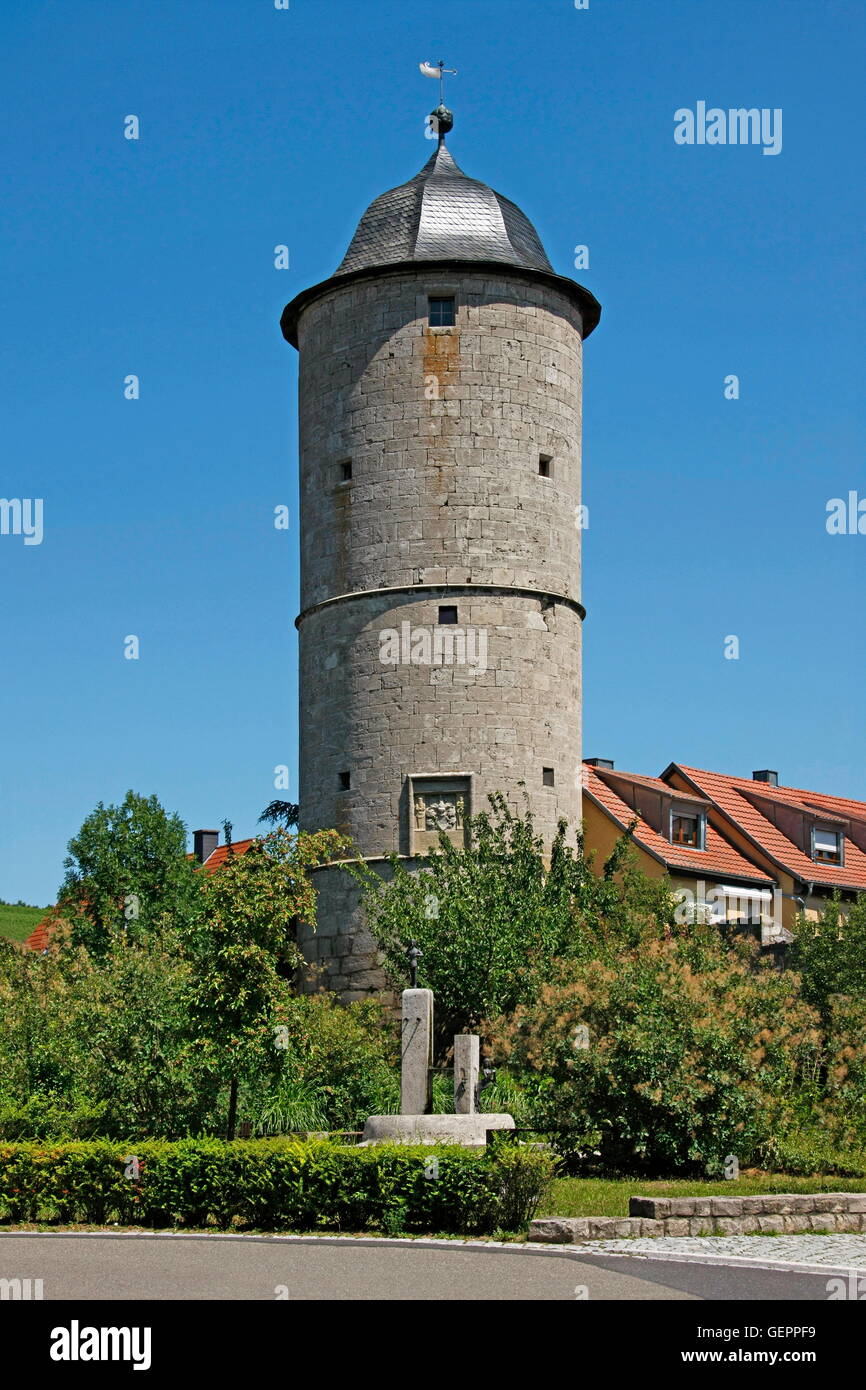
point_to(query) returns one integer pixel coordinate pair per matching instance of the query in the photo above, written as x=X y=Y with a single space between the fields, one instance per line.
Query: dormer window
x=826 y=846
x=688 y=828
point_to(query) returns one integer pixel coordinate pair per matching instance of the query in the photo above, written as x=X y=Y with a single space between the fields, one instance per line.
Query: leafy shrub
x=694 y=1051
x=335 y=1065
x=275 y=1185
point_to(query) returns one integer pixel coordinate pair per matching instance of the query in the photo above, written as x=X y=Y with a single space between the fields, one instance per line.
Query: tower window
x=547 y=779
x=545 y=466
x=441 y=313
x=447 y=616
x=345 y=781
x=344 y=471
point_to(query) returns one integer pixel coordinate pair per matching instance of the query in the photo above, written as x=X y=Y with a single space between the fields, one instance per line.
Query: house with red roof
x=736 y=849
x=812 y=844
x=674 y=834
x=210 y=854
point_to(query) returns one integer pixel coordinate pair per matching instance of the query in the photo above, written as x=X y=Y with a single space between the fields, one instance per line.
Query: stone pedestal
x=468 y=1130
x=416 y=1081
x=467 y=1052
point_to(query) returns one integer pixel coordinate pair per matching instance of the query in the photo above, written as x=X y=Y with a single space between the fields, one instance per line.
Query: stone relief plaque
x=438 y=805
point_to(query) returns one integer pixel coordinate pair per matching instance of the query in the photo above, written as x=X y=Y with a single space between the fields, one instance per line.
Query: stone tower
x=440 y=454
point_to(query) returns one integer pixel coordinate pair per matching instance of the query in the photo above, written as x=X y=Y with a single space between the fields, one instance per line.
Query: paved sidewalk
x=831 y=1251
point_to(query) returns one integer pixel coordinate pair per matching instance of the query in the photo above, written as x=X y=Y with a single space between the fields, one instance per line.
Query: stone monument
x=415 y=1124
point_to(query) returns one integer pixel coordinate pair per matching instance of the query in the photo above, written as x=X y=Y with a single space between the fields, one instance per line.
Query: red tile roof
x=719 y=860
x=221 y=854
x=40 y=937
x=729 y=795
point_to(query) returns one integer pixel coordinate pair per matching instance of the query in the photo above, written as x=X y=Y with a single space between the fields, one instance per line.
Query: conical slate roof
x=443 y=215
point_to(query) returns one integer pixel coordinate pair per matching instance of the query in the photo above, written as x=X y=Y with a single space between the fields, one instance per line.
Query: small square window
x=447 y=616
x=686 y=830
x=441 y=313
x=545 y=466
x=827 y=846
x=547 y=779
x=344 y=471
x=345 y=781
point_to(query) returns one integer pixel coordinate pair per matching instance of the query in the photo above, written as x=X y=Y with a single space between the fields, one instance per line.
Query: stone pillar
x=466 y=1061
x=416 y=1079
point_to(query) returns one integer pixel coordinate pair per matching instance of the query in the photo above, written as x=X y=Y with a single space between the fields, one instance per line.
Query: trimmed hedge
x=273 y=1184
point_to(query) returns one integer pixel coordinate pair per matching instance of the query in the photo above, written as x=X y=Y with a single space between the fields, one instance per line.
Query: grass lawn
x=609 y=1196
x=19 y=922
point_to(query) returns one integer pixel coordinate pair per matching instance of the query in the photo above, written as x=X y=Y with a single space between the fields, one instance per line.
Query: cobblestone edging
x=771 y=1214
x=838 y=1255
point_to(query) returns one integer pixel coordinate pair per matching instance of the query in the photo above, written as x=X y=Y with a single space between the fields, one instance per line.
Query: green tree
x=488 y=917
x=126 y=869
x=243 y=947
x=830 y=955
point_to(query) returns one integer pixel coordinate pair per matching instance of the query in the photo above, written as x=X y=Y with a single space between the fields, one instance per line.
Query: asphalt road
x=84 y=1267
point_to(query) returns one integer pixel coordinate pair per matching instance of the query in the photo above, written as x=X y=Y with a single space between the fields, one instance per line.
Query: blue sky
x=155 y=257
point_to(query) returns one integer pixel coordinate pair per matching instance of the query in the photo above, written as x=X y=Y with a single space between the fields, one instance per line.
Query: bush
x=99 y=1047
x=663 y=1058
x=274 y=1185
x=811 y=1153
x=335 y=1065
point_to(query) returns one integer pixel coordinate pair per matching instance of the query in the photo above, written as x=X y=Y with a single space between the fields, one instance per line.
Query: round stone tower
x=440 y=624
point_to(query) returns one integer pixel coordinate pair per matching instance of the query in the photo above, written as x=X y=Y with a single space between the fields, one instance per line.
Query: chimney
x=599 y=762
x=204 y=842
x=772 y=778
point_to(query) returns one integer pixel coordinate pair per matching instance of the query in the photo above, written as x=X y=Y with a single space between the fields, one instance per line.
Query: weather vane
x=438 y=70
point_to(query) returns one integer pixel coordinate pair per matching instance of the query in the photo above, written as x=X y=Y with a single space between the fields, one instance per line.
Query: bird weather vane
x=438 y=70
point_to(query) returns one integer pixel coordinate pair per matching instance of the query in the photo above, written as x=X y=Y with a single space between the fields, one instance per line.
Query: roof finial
x=441 y=120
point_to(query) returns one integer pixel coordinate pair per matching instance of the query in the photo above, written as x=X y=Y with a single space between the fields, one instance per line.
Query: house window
x=547 y=777
x=827 y=846
x=545 y=464
x=441 y=312
x=345 y=781
x=447 y=616
x=344 y=471
x=687 y=830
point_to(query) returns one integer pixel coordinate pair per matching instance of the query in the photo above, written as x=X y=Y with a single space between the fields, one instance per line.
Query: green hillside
x=18 y=922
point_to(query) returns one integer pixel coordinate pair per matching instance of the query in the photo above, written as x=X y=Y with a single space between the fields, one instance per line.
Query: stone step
x=761 y=1204
x=571 y=1230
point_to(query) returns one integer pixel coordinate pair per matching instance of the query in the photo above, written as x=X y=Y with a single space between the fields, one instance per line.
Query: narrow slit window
x=441 y=312
x=545 y=466
x=547 y=777
x=345 y=781
x=344 y=471
x=447 y=616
